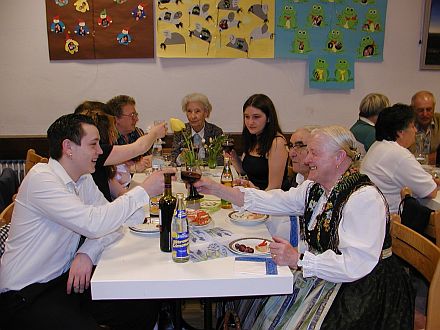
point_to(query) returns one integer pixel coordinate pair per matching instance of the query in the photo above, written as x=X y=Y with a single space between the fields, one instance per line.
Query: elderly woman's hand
x=283 y=253
x=244 y=183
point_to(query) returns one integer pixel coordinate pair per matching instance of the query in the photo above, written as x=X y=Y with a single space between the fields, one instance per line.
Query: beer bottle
x=154 y=200
x=180 y=232
x=226 y=179
x=167 y=204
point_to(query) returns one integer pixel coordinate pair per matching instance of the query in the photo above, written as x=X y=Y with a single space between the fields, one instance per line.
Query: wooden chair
x=433 y=228
x=33 y=158
x=6 y=215
x=424 y=256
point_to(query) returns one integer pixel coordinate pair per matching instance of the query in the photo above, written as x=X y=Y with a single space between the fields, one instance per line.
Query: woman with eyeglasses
x=105 y=169
x=264 y=160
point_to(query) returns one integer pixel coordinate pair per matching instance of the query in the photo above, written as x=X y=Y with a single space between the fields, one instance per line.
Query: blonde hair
x=372 y=104
x=197 y=97
x=339 y=138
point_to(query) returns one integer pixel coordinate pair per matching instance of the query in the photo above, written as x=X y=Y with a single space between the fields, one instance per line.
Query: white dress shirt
x=361 y=230
x=51 y=213
x=392 y=167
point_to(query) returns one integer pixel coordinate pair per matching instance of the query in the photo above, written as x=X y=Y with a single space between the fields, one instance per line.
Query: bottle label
x=180 y=245
x=180 y=213
x=154 y=205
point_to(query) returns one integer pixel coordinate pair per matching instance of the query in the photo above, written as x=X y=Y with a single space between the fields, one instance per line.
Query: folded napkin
x=255 y=266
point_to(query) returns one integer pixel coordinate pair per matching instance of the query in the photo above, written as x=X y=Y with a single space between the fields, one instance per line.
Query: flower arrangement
x=190 y=154
x=214 y=148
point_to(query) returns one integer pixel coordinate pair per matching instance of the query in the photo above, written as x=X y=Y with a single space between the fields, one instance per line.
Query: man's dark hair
x=393 y=119
x=66 y=127
x=115 y=104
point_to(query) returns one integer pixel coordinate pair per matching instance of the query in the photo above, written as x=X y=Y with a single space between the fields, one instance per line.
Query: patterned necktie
x=198 y=143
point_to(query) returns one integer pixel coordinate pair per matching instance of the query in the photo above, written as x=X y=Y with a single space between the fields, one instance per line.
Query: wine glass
x=191 y=174
x=157 y=122
x=228 y=145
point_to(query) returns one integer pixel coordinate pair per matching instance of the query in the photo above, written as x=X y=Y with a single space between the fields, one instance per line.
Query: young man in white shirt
x=44 y=273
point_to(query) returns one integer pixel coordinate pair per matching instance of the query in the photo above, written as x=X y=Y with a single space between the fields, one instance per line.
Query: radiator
x=16 y=165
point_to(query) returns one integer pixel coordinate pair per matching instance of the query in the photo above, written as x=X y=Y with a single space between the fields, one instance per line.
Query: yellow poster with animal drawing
x=215 y=28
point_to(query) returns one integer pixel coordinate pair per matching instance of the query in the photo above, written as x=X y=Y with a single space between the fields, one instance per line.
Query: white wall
x=35 y=91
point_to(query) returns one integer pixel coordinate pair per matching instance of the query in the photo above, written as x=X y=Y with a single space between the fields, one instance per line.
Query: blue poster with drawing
x=352 y=28
x=331 y=71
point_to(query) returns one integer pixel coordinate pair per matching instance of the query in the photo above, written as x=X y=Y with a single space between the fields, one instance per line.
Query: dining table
x=135 y=268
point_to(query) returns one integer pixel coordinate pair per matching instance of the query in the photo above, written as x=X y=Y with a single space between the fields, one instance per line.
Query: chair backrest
x=33 y=158
x=6 y=215
x=424 y=256
x=433 y=228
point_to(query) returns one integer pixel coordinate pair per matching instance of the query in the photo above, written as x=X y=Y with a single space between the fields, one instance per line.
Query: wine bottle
x=180 y=232
x=226 y=179
x=167 y=204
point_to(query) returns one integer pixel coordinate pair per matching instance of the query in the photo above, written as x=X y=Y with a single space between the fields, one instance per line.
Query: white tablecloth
x=135 y=268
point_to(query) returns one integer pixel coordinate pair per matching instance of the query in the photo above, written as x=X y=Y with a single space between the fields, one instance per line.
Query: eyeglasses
x=297 y=145
x=133 y=115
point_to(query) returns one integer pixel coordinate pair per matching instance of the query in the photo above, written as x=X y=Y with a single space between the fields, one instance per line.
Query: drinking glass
x=228 y=145
x=191 y=174
x=157 y=122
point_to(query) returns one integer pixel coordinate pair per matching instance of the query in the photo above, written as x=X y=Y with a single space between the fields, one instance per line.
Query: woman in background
x=390 y=165
x=197 y=108
x=264 y=160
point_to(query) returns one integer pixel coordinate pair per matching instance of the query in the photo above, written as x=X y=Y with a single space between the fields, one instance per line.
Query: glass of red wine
x=190 y=175
x=228 y=145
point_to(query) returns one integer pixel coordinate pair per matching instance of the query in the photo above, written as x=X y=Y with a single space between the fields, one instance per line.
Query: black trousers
x=48 y=306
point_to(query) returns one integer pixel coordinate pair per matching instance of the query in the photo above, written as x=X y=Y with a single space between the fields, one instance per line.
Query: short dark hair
x=271 y=129
x=393 y=119
x=66 y=127
x=115 y=104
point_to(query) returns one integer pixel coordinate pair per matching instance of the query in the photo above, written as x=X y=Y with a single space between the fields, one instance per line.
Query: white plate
x=247 y=218
x=145 y=228
x=250 y=242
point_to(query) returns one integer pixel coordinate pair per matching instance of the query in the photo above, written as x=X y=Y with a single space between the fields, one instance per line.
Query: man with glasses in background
x=123 y=107
x=427 y=122
x=297 y=148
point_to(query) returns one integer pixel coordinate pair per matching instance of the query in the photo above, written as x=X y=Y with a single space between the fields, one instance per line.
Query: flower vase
x=212 y=163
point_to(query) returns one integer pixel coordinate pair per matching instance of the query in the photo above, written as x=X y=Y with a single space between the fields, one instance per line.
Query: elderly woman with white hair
x=197 y=108
x=345 y=275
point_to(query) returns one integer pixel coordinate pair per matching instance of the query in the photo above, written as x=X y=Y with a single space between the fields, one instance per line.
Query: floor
x=192 y=313
x=422 y=288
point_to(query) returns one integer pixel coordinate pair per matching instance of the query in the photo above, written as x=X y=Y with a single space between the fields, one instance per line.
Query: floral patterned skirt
x=384 y=299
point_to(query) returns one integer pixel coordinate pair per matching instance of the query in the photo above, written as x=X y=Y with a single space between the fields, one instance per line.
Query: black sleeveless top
x=257 y=170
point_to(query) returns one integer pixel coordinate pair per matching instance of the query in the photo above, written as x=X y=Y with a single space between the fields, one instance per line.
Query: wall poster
x=215 y=28
x=99 y=29
x=335 y=32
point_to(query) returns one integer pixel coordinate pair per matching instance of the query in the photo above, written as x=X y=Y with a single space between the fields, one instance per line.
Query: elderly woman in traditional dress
x=345 y=276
